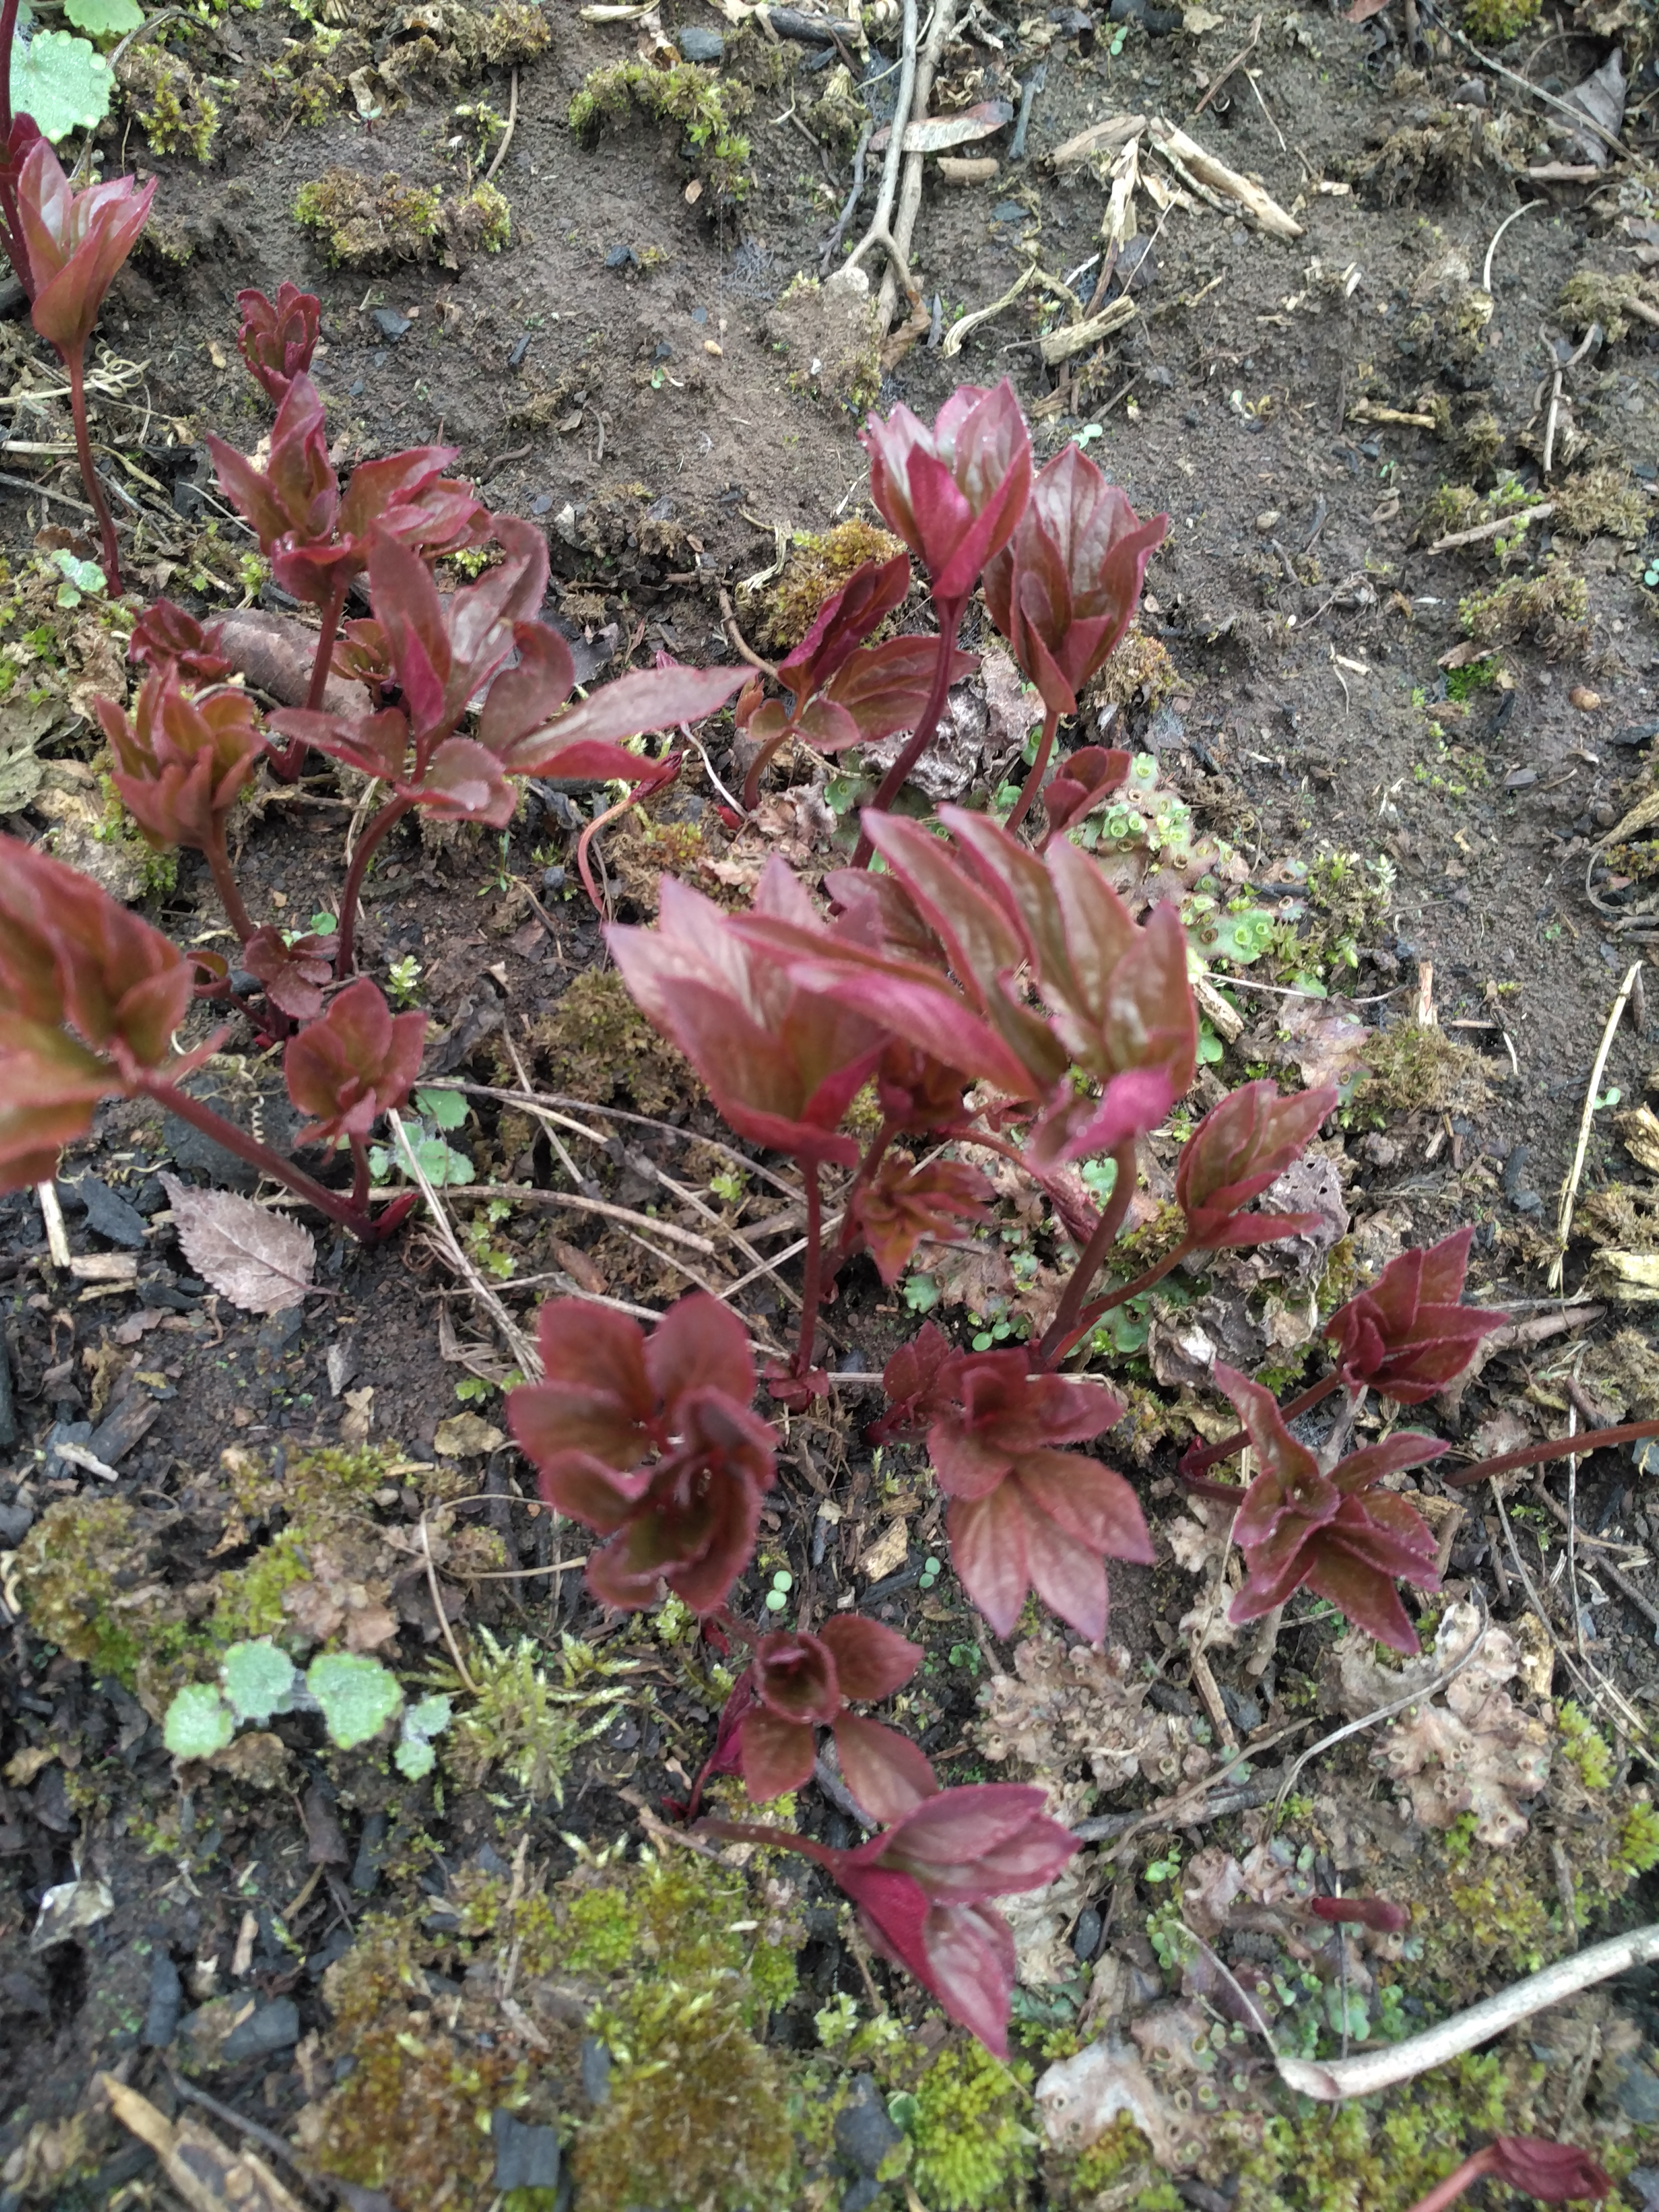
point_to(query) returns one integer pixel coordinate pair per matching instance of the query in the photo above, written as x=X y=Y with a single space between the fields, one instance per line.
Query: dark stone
x=279 y=1331
x=391 y=324
x=697 y=45
x=1008 y=212
x=167 y=1998
x=596 y=2070
x=542 y=501
x=371 y=1851
x=108 y=1214
x=862 y=2194
x=1638 y=2094
x=8 y=1430
x=20 y=1992
x=131 y=1420
x=149 y=1197
x=1086 y=1937
x=620 y=256
x=198 y=1158
x=553 y=879
x=864 y=2132
x=525 y=2157
x=521 y=347
x=356 y=391
x=65 y=1432
x=15 y=1522
x=270 y=2028
x=1517 y=1187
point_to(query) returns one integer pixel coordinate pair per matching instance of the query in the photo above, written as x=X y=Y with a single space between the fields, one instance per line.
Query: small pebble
x=1268 y=522
x=542 y=501
x=515 y=360
x=697 y=45
x=391 y=324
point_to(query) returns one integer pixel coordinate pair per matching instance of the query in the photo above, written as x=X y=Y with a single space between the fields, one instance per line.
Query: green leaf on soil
x=198 y=1722
x=358 y=1696
x=61 y=82
x=104 y=19
x=415 y=1756
x=447 y=1109
x=258 y=1680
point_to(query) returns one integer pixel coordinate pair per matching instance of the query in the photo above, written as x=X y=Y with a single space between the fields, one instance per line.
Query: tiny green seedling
x=930 y=1574
x=778 y=1596
x=83 y=580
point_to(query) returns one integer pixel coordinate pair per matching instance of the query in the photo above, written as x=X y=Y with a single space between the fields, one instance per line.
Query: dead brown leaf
x=259 y=1260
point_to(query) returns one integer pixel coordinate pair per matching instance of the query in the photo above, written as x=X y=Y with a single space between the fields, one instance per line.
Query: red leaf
x=955 y=493
x=75 y=242
x=358 y=1062
x=165 y=636
x=646 y=699
x=1365 y=1912
x=1243 y=1143
x=777 y=1754
x=915 y=1385
x=463 y=783
x=1407 y=1336
x=902 y=1203
x=883 y=689
x=293 y=975
x=795 y=1675
x=296 y=496
x=888 y=1774
x=843 y=622
x=277 y=342
x=595 y=1396
x=871 y=1661
x=1083 y=780
x=1554 y=2173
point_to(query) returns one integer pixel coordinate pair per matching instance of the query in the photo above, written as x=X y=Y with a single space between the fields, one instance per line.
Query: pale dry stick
x=927 y=63
x=468 y=1683
x=1243 y=55
x=506 y=135
x=1249 y=79
x=690 y=1198
x=1592 y=336
x=1572 y=1534
x=619 y=1114
x=526 y=1194
x=1518 y=520
x=52 y=1215
x=584 y=1183
x=1591 y=1682
x=790 y=1252
x=523 y=1351
x=1514 y=216
x=688 y=732
x=360 y=815
x=1332 y=2080
x=1570 y=1188
x=1383 y=1713
x=879 y=232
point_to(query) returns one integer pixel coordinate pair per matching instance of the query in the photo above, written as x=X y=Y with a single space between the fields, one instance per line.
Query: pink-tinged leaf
x=914 y=1380
x=970 y=1955
x=1244 y=1142
x=904 y=1202
x=794 y=1675
x=74 y=243
x=1090 y=1501
x=988 y=1550
x=843 y=622
x=1083 y=780
x=888 y=1774
x=524 y=699
x=1374 y=1912
x=1407 y=1336
x=885 y=688
x=277 y=340
x=777 y=1754
x=412 y=620
x=646 y=699
x=356 y=1063
x=374 y=744
x=1554 y=2173
x=1365 y=1594
x=1132 y=1104
x=984 y=1840
x=260 y=1261
x=1289 y=1483
x=293 y=975
x=870 y=1662
x=463 y=783
x=700 y=1345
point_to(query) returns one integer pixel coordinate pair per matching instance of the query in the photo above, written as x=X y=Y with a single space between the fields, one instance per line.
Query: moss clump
x=1592 y=295
x=1138 y=671
x=1586 y=1751
x=1450 y=507
x=174 y=112
x=1415 y=1069
x=682 y=2005
x=1500 y=23
x=1601 y=501
x=595 y=1043
x=813 y=568
x=965 y=2116
x=1552 y=605
x=521 y=1723
x=706 y=110
x=479 y=222
x=1480 y=441
x=80 y=1574
x=369 y=222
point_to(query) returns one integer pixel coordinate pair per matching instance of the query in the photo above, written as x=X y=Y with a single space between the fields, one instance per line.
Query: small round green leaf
x=61 y=81
x=414 y=1758
x=104 y=19
x=358 y=1696
x=198 y=1722
x=258 y=1680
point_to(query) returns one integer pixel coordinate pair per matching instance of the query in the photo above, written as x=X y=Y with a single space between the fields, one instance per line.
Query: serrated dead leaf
x=259 y=1260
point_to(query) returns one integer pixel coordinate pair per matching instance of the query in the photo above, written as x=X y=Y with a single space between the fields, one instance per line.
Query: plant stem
x=1092 y=1314
x=950 y=621
x=812 y=1281
x=875 y=1152
x=332 y=1203
x=358 y=1173
x=1447 y=2192
x=224 y=881
x=1589 y=1440
x=331 y=611
x=392 y=811
x=1033 y=782
x=1063 y=1330
x=76 y=369
x=1196 y=1460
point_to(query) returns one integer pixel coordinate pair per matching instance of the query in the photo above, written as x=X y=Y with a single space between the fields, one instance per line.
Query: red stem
x=1195 y=1461
x=950 y=621
x=1589 y=1440
x=76 y=367
x=1447 y=2192
x=1062 y=1332
x=332 y=610
x=874 y=1154
x=359 y=1174
x=1034 y=781
x=392 y=811
x=258 y=1155
x=811 y=1287
x=1092 y=1314
x=583 y=865
x=224 y=881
